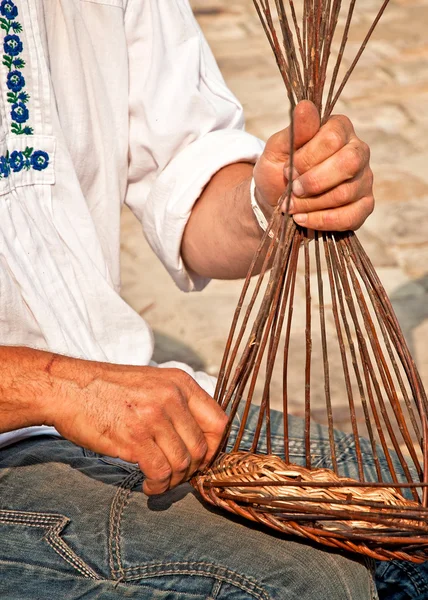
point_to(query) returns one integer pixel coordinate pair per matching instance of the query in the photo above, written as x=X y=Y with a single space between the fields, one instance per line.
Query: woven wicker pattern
x=318 y=504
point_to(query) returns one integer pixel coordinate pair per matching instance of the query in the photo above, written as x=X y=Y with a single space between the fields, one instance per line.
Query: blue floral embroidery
x=17 y=97
x=27 y=159
x=8 y=10
x=15 y=81
x=39 y=160
x=20 y=112
x=4 y=166
x=17 y=161
x=12 y=45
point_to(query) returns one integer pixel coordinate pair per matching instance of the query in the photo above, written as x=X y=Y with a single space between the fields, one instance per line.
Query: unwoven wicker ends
x=265 y=489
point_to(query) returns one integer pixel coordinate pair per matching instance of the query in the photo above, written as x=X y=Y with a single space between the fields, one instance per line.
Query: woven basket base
x=319 y=505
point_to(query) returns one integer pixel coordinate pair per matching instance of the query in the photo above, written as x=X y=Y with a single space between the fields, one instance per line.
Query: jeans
x=397 y=580
x=76 y=525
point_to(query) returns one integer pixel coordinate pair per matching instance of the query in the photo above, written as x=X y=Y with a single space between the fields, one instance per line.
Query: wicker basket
x=350 y=326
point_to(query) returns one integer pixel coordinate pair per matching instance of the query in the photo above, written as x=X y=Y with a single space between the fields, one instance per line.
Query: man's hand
x=332 y=186
x=159 y=418
x=332 y=179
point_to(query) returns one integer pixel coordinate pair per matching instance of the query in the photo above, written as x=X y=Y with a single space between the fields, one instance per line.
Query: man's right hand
x=159 y=418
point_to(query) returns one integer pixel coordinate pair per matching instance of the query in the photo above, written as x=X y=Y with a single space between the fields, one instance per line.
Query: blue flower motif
x=12 y=45
x=17 y=161
x=15 y=81
x=24 y=97
x=8 y=9
x=4 y=167
x=20 y=113
x=40 y=160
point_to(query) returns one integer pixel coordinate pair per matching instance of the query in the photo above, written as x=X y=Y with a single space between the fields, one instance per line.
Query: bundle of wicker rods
x=381 y=510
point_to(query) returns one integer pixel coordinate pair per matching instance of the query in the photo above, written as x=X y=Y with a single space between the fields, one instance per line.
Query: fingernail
x=293 y=174
x=291 y=205
x=301 y=219
x=298 y=188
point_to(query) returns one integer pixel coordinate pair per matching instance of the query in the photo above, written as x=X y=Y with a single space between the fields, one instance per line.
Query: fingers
x=210 y=418
x=334 y=189
x=331 y=138
x=344 y=165
x=188 y=431
x=330 y=165
x=174 y=453
x=176 y=457
x=195 y=442
x=343 y=218
x=156 y=469
x=339 y=195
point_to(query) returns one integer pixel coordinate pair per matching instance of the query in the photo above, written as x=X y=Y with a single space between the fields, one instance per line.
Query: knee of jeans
x=331 y=576
x=301 y=571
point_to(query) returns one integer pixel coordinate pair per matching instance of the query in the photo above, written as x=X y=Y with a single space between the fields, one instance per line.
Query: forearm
x=222 y=234
x=25 y=387
x=36 y=385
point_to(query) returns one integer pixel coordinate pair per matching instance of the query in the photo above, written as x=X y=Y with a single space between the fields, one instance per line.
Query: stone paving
x=387 y=99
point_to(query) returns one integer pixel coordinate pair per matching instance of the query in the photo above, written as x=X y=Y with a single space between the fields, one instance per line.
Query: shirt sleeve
x=185 y=125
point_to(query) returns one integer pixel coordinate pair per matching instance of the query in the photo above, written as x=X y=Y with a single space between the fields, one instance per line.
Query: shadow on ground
x=410 y=302
x=169 y=348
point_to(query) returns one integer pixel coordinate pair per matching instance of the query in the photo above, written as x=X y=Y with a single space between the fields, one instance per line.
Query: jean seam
x=203 y=569
x=216 y=589
x=54 y=523
x=370 y=565
x=414 y=577
x=373 y=590
x=114 y=463
x=343 y=446
x=294 y=446
x=127 y=467
x=119 y=503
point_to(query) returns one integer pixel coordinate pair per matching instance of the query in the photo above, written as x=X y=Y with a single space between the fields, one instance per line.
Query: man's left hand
x=332 y=179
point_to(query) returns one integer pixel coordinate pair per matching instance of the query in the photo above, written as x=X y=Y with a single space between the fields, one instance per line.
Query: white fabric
x=126 y=100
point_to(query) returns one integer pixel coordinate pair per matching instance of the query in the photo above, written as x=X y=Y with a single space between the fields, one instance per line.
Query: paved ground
x=388 y=101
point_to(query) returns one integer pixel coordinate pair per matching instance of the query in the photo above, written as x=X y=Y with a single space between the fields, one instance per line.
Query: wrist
x=25 y=388
x=261 y=214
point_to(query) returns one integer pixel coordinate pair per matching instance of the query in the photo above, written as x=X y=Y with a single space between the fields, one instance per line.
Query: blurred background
x=387 y=99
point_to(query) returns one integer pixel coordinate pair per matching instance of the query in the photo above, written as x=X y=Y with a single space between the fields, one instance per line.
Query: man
x=106 y=102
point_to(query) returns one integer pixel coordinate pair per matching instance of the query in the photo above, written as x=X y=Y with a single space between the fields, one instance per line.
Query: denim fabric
x=76 y=525
x=398 y=580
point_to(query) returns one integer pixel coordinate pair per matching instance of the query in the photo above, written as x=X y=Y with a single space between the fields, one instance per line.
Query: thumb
x=210 y=418
x=272 y=169
x=306 y=124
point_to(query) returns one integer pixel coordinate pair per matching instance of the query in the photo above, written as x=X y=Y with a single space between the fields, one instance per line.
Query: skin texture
x=160 y=418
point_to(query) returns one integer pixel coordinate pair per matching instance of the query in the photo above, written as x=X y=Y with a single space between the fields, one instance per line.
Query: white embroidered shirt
x=103 y=102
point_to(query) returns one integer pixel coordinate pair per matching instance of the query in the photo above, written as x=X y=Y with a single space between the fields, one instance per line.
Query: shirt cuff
x=179 y=186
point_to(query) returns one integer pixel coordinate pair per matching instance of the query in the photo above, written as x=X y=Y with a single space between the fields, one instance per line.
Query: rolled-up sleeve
x=185 y=125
